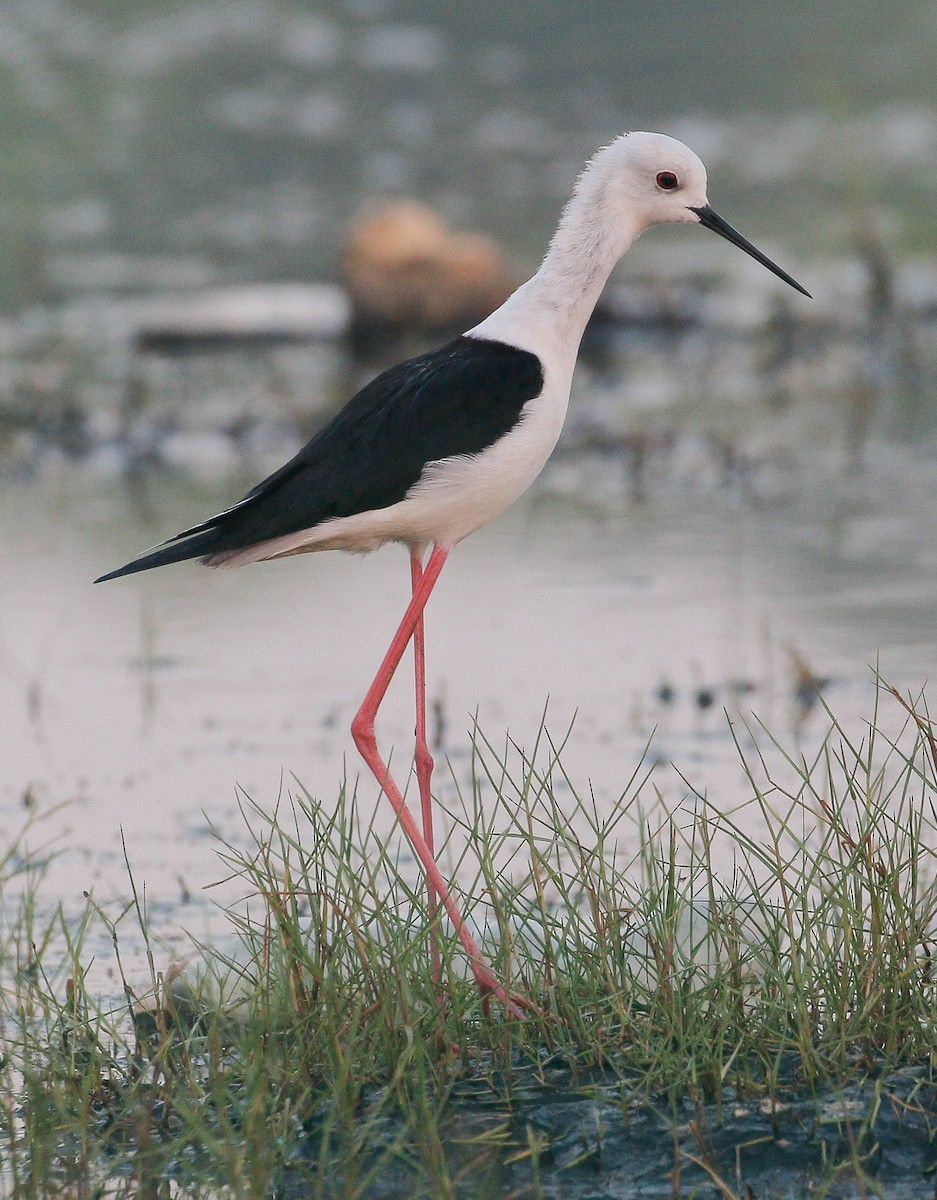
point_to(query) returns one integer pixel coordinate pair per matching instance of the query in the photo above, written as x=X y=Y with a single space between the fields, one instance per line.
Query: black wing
x=458 y=399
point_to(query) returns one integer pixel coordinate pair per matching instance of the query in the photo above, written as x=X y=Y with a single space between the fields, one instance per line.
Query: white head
x=644 y=179
x=649 y=177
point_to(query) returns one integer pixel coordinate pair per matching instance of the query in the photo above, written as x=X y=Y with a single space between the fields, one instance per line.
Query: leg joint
x=362 y=730
x=424 y=760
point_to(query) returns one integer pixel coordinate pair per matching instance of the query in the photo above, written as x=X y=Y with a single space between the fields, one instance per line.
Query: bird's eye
x=667 y=181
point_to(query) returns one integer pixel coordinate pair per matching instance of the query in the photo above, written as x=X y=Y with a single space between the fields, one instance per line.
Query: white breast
x=458 y=495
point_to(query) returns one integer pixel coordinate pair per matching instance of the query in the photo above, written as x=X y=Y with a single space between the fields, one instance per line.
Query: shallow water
x=144 y=704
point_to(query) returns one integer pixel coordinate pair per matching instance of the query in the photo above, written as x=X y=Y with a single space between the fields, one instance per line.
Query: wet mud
x=562 y=1138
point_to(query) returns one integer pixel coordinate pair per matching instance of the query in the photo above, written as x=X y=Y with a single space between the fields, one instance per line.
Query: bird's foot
x=491 y=988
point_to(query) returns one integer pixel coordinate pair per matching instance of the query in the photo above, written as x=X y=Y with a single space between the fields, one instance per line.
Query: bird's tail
x=177 y=549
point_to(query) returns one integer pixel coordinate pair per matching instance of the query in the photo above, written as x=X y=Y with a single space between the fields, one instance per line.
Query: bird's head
x=651 y=178
x=655 y=177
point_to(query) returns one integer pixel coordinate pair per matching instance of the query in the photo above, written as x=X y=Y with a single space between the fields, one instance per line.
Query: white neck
x=548 y=313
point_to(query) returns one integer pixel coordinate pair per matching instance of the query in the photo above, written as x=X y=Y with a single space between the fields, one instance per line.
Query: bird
x=438 y=446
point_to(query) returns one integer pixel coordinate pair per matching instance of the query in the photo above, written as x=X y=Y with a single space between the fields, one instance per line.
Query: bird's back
x=457 y=400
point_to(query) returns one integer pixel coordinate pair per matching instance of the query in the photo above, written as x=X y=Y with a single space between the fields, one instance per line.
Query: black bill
x=713 y=221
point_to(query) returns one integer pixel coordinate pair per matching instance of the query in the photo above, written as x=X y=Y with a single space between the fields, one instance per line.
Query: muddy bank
x=578 y=1137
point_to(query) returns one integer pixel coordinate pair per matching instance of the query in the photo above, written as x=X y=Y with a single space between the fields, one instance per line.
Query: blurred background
x=188 y=143
x=200 y=233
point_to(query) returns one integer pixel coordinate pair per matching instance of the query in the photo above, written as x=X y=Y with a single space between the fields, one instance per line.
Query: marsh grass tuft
x=692 y=965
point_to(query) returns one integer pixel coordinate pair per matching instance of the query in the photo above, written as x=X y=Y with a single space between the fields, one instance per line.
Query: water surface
x=146 y=703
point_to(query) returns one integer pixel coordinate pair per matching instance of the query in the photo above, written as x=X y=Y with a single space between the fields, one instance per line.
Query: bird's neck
x=548 y=313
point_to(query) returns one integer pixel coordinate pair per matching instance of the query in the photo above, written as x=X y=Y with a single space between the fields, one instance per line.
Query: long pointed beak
x=713 y=221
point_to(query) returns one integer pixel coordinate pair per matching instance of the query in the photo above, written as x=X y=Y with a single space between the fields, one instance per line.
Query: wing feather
x=456 y=400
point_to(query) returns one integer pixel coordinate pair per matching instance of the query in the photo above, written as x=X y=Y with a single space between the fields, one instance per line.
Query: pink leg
x=424 y=760
x=362 y=730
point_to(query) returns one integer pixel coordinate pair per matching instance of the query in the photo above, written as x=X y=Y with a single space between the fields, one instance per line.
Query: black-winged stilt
x=440 y=445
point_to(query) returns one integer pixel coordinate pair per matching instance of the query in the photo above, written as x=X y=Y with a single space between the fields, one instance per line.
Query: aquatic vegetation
x=699 y=1026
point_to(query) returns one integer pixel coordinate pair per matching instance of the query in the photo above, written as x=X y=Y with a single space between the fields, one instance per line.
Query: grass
x=310 y=1054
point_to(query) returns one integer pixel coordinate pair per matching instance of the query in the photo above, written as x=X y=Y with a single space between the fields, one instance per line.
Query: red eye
x=667 y=180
